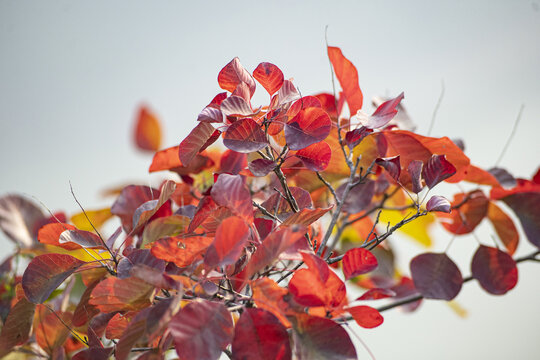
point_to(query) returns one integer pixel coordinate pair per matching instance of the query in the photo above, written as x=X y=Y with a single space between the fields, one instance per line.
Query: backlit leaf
x=147 y=130
x=347 y=76
x=358 y=261
x=16 y=328
x=114 y=294
x=315 y=157
x=436 y=276
x=436 y=170
x=494 y=269
x=50 y=234
x=18 y=218
x=415 y=171
x=260 y=335
x=438 y=203
x=306 y=216
x=233 y=74
x=195 y=142
x=236 y=106
x=231 y=237
x=201 y=330
x=280 y=207
x=317 y=338
x=85 y=239
x=366 y=316
x=303 y=103
x=308 y=127
x=468 y=210
x=182 y=251
x=354 y=137
x=211 y=114
x=165 y=159
x=50 y=331
x=97 y=218
x=504 y=226
x=480 y=176
x=384 y=113
x=231 y=191
x=45 y=273
x=128 y=202
x=269 y=76
x=245 y=136
x=287 y=93
x=166 y=226
x=145 y=211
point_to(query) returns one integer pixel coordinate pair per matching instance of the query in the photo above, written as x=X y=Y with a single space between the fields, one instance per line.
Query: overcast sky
x=72 y=74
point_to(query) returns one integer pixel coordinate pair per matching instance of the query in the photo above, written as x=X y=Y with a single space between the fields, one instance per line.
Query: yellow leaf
x=416 y=229
x=97 y=217
x=457 y=308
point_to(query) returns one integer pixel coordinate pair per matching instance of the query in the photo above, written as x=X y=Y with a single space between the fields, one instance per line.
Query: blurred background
x=73 y=73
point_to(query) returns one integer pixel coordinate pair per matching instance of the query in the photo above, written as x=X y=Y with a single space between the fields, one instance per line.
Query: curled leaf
x=439 y=203
x=437 y=169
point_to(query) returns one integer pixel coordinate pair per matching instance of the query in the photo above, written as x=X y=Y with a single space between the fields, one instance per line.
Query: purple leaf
x=437 y=169
x=354 y=137
x=211 y=114
x=384 y=113
x=436 y=276
x=261 y=167
x=439 y=203
x=245 y=136
x=391 y=165
x=415 y=171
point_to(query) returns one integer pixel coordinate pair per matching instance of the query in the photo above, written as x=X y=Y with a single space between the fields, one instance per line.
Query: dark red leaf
x=138 y=257
x=269 y=76
x=306 y=216
x=525 y=205
x=391 y=165
x=129 y=200
x=415 y=171
x=320 y=338
x=347 y=76
x=328 y=103
x=211 y=114
x=231 y=237
x=195 y=142
x=232 y=162
x=150 y=208
x=439 y=203
x=202 y=330
x=354 y=137
x=308 y=127
x=366 y=316
x=359 y=197
x=45 y=273
x=260 y=335
x=376 y=294
x=384 y=113
x=147 y=130
x=231 y=192
x=494 y=269
x=245 y=136
x=233 y=74
x=315 y=157
x=503 y=177
x=280 y=207
x=114 y=294
x=84 y=311
x=436 y=276
x=261 y=167
x=18 y=217
x=94 y=353
x=437 y=169
x=358 y=261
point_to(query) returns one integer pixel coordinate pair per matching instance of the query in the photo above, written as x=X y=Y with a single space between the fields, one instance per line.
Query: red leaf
x=201 y=330
x=384 y=113
x=347 y=75
x=231 y=191
x=438 y=203
x=85 y=239
x=303 y=103
x=468 y=210
x=195 y=142
x=261 y=167
x=308 y=127
x=328 y=103
x=358 y=261
x=436 y=276
x=45 y=273
x=17 y=326
x=146 y=210
x=211 y=114
x=129 y=200
x=366 y=316
x=280 y=207
x=269 y=76
x=245 y=136
x=415 y=171
x=165 y=159
x=84 y=311
x=232 y=162
x=376 y=294
x=260 y=335
x=287 y=93
x=50 y=234
x=315 y=157
x=233 y=74
x=182 y=251
x=437 y=169
x=51 y=333
x=114 y=294
x=494 y=269
x=391 y=165
x=306 y=217
x=18 y=217
x=319 y=338
x=354 y=137
x=147 y=130
x=525 y=205
x=504 y=226
x=231 y=237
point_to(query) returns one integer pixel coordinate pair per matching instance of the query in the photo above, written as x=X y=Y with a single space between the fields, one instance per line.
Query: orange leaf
x=51 y=333
x=306 y=216
x=182 y=251
x=231 y=236
x=468 y=210
x=347 y=75
x=147 y=130
x=114 y=294
x=504 y=226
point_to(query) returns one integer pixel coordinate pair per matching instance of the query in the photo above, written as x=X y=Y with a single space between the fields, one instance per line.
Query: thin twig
x=441 y=96
x=511 y=135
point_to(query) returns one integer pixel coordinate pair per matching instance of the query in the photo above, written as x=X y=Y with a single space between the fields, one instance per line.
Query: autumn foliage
x=257 y=250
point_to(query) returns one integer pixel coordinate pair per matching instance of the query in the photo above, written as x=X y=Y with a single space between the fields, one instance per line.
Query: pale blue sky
x=73 y=72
